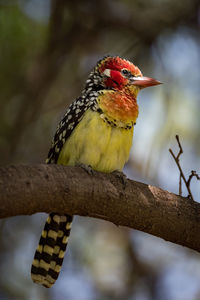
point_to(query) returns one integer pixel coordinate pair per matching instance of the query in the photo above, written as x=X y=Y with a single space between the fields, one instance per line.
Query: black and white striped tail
x=50 y=252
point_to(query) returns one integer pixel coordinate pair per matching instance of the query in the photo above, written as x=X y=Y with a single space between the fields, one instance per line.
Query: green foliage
x=20 y=40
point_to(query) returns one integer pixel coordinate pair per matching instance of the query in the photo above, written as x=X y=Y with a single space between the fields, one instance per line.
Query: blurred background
x=47 y=49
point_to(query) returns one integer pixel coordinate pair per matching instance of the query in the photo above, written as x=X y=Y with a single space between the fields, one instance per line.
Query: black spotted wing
x=68 y=123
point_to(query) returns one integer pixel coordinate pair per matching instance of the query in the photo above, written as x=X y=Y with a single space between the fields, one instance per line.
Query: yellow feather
x=94 y=142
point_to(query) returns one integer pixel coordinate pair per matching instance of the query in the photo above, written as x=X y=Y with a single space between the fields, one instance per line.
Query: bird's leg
x=86 y=168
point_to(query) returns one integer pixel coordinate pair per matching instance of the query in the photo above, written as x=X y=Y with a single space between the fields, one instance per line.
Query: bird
x=96 y=132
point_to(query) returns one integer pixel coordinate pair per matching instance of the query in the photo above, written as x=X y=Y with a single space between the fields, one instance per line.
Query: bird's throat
x=120 y=106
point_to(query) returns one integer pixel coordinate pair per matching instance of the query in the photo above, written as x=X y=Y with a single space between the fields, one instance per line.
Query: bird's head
x=117 y=73
x=114 y=74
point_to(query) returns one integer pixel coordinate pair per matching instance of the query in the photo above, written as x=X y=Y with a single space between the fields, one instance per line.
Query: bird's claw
x=87 y=168
x=121 y=176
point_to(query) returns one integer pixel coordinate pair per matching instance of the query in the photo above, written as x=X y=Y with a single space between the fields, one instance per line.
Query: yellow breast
x=94 y=142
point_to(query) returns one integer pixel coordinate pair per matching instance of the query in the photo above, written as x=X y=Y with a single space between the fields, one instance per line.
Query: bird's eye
x=125 y=71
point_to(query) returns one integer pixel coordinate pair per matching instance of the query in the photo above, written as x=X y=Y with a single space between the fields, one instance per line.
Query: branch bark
x=25 y=190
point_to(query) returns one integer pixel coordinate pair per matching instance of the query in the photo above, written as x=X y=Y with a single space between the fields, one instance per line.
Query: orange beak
x=144 y=82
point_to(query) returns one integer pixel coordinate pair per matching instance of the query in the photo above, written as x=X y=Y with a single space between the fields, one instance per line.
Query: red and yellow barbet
x=96 y=131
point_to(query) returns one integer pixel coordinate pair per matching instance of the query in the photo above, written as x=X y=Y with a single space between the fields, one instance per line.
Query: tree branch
x=25 y=190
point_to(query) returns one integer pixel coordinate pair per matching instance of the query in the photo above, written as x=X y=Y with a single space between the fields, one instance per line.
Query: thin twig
x=193 y=174
x=180 y=147
x=176 y=158
x=180 y=185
